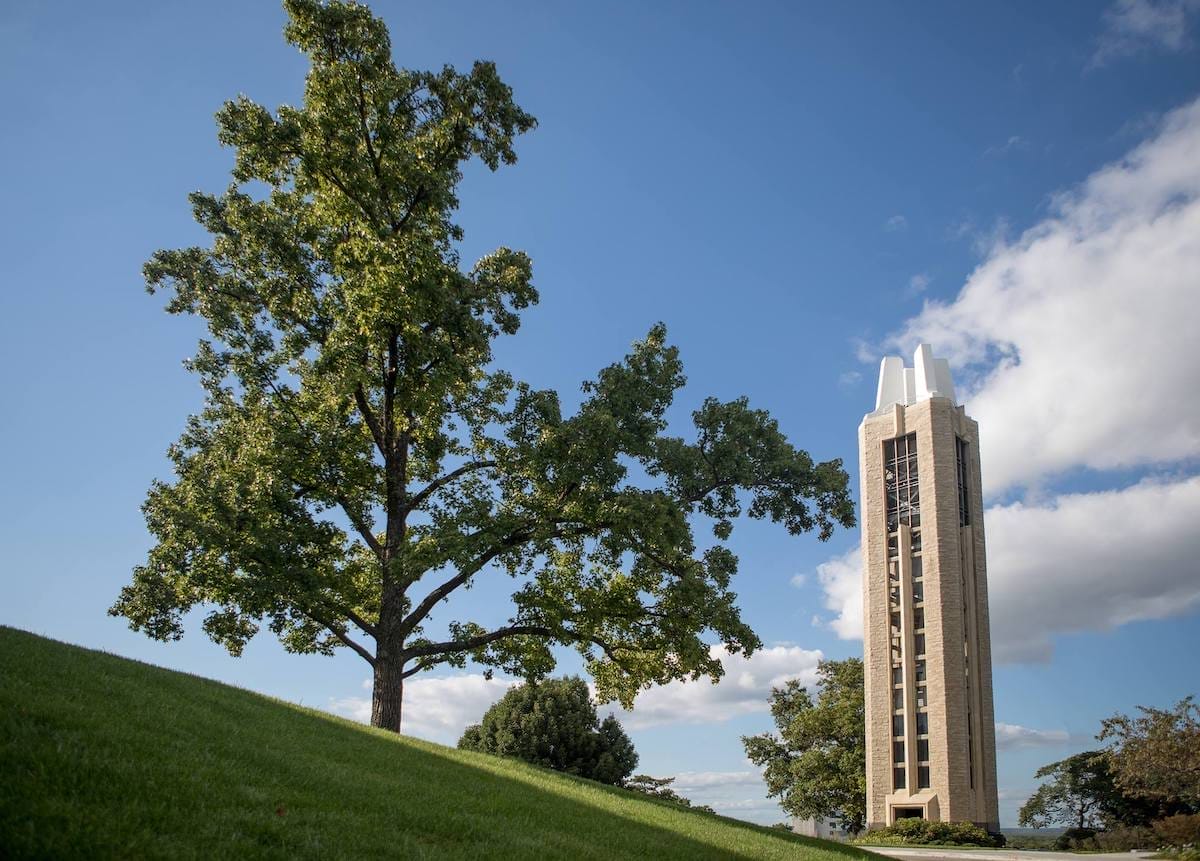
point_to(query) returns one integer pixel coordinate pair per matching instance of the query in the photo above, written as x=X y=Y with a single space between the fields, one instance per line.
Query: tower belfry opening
x=931 y=746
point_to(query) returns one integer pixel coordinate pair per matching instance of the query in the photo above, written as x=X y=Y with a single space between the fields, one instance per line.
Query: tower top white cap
x=927 y=378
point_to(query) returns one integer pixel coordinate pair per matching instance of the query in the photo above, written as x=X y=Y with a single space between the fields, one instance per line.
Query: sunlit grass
x=102 y=757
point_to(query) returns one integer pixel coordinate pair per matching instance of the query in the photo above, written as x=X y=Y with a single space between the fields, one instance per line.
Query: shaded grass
x=102 y=757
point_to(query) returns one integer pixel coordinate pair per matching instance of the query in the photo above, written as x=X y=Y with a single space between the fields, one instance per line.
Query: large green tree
x=359 y=459
x=816 y=764
x=553 y=723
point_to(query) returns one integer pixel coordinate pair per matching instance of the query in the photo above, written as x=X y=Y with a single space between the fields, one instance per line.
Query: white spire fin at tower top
x=929 y=377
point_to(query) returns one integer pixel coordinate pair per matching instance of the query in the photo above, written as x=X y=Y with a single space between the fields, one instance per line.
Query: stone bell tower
x=931 y=739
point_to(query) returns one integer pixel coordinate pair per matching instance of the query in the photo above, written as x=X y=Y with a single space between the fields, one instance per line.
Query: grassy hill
x=102 y=757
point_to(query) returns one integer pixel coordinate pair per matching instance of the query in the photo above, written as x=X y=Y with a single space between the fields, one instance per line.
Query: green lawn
x=102 y=757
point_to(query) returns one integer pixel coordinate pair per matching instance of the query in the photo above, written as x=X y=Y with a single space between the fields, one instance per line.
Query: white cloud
x=742 y=690
x=1089 y=314
x=1134 y=26
x=440 y=708
x=895 y=223
x=799 y=580
x=1010 y=735
x=435 y=708
x=1080 y=562
x=1091 y=562
x=693 y=780
x=841 y=580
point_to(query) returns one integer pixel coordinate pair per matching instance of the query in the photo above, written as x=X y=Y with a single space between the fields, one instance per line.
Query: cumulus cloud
x=1078 y=562
x=896 y=222
x=1136 y=26
x=435 y=708
x=841 y=581
x=1075 y=348
x=1088 y=314
x=742 y=690
x=440 y=708
x=692 y=780
x=1091 y=561
x=1011 y=735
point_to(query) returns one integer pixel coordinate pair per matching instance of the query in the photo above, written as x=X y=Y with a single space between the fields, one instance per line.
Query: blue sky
x=796 y=190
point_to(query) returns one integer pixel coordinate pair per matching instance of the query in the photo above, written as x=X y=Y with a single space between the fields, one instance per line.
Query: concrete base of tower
x=915 y=805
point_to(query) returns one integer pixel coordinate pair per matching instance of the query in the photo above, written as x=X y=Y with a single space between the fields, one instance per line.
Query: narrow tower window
x=900 y=482
x=962 y=461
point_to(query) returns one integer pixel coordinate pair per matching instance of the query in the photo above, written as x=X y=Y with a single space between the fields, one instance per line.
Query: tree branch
x=361 y=528
x=512 y=540
x=471 y=643
x=364 y=408
x=340 y=634
x=434 y=486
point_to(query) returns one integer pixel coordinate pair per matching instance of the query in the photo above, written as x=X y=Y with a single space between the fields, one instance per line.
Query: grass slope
x=102 y=757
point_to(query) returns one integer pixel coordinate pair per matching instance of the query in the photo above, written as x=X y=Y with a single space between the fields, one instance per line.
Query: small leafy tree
x=553 y=724
x=1156 y=755
x=816 y=764
x=1076 y=794
x=660 y=787
x=358 y=460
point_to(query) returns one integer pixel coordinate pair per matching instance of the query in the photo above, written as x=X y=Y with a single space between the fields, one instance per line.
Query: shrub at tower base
x=359 y=459
x=554 y=724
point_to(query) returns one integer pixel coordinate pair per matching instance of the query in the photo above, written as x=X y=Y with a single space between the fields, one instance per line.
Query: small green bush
x=1076 y=838
x=919 y=832
x=1125 y=838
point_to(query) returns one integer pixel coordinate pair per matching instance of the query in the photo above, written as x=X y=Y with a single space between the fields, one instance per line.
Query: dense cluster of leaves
x=1156 y=754
x=1078 y=792
x=359 y=460
x=816 y=765
x=553 y=723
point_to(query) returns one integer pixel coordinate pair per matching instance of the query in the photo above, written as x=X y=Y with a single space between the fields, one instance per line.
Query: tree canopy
x=1079 y=793
x=553 y=723
x=359 y=459
x=1156 y=755
x=816 y=764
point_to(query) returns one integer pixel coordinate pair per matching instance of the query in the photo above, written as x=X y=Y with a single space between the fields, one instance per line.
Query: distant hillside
x=102 y=757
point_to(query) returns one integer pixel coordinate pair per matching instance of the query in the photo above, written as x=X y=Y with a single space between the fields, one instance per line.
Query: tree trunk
x=387 y=693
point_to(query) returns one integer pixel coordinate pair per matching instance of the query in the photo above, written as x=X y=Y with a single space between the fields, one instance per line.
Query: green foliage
x=1156 y=755
x=359 y=459
x=816 y=764
x=553 y=724
x=1080 y=793
x=657 y=787
x=1124 y=838
x=1179 y=831
x=106 y=758
x=920 y=831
